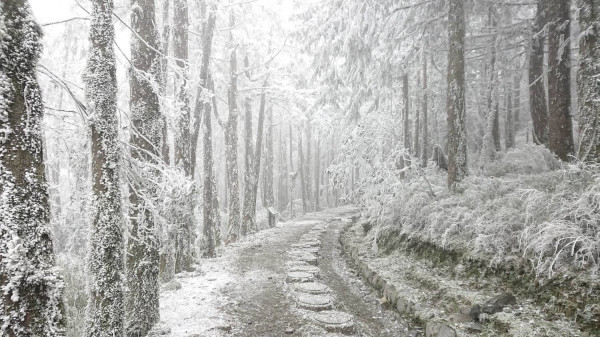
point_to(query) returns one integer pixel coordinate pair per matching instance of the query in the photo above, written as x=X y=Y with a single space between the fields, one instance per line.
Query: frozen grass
x=523 y=205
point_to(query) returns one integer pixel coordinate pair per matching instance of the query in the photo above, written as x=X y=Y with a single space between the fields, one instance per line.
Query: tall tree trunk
x=283 y=171
x=317 y=174
x=231 y=145
x=537 y=91
x=142 y=259
x=509 y=126
x=560 y=125
x=425 y=154
x=517 y=102
x=105 y=266
x=492 y=133
x=301 y=172
x=588 y=81
x=417 y=149
x=185 y=234
x=269 y=199
x=247 y=218
x=203 y=104
x=166 y=35
x=455 y=106
x=292 y=179
x=308 y=159
x=405 y=112
x=31 y=302
x=166 y=254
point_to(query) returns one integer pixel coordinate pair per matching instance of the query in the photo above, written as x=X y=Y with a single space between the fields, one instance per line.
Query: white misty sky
x=51 y=10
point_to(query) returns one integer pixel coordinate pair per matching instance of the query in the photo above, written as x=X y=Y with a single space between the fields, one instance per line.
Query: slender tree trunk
x=185 y=234
x=250 y=200
x=231 y=145
x=517 y=102
x=291 y=177
x=317 y=174
x=31 y=302
x=105 y=266
x=455 y=106
x=301 y=172
x=307 y=168
x=417 y=149
x=405 y=112
x=491 y=137
x=588 y=81
x=166 y=254
x=537 y=91
x=509 y=126
x=166 y=35
x=142 y=259
x=268 y=200
x=425 y=154
x=247 y=224
x=560 y=125
x=210 y=208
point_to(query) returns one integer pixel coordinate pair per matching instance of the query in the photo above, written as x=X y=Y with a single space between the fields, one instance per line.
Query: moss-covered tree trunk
x=31 y=301
x=185 y=216
x=588 y=81
x=455 y=104
x=146 y=148
x=231 y=151
x=537 y=92
x=560 y=125
x=105 y=314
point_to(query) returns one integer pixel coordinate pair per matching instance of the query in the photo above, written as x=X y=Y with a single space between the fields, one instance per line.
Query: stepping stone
x=311 y=243
x=335 y=321
x=306 y=257
x=307 y=269
x=295 y=263
x=315 y=302
x=314 y=288
x=299 y=276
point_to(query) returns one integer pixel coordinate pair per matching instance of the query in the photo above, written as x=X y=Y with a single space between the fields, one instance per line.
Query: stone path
x=297 y=283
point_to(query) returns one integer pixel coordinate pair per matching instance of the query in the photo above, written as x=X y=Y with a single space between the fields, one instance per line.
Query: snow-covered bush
x=544 y=213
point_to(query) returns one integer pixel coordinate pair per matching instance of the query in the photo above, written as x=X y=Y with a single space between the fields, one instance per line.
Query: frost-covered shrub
x=528 y=207
x=526 y=159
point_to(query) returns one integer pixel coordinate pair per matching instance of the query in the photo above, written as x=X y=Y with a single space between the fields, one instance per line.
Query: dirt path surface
x=265 y=303
x=257 y=287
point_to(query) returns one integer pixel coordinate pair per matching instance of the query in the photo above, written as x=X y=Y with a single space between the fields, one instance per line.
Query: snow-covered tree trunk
x=588 y=81
x=425 y=154
x=231 y=148
x=517 y=102
x=292 y=180
x=185 y=217
x=308 y=159
x=31 y=301
x=560 y=125
x=537 y=92
x=247 y=213
x=166 y=35
x=416 y=146
x=317 y=174
x=283 y=171
x=455 y=106
x=142 y=260
x=509 y=126
x=301 y=172
x=488 y=151
x=269 y=199
x=203 y=103
x=105 y=314
x=405 y=120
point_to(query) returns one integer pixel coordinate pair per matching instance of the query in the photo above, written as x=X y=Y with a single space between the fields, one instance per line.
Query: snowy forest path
x=264 y=297
x=247 y=290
